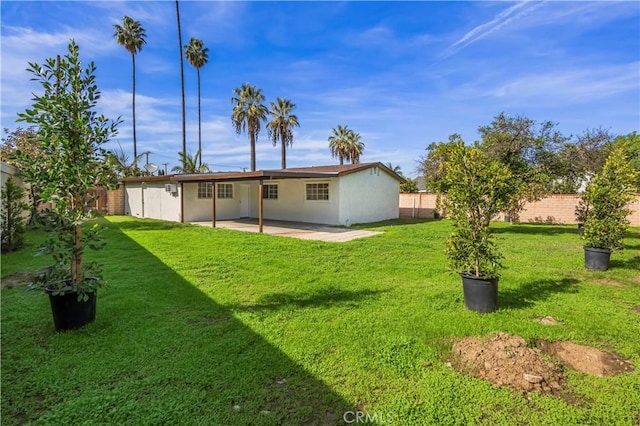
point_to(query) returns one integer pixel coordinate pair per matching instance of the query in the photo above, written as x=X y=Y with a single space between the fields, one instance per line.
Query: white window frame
x=224 y=189
x=265 y=188
x=317 y=200
x=205 y=190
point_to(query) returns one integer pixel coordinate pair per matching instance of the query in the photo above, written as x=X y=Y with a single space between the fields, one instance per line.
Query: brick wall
x=559 y=208
x=115 y=201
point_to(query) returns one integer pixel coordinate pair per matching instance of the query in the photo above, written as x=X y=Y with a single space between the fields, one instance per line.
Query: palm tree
x=355 y=146
x=197 y=57
x=280 y=125
x=118 y=161
x=247 y=113
x=339 y=143
x=190 y=164
x=184 y=113
x=395 y=169
x=131 y=35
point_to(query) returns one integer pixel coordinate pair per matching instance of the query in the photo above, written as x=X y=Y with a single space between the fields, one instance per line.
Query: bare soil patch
x=609 y=282
x=19 y=279
x=637 y=308
x=547 y=320
x=586 y=359
x=506 y=360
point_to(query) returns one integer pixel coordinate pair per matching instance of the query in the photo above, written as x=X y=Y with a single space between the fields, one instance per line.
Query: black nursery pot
x=71 y=314
x=596 y=259
x=480 y=294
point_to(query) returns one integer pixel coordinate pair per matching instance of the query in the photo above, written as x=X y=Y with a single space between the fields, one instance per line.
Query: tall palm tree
x=280 y=125
x=247 y=113
x=355 y=146
x=395 y=169
x=339 y=143
x=184 y=112
x=197 y=55
x=190 y=164
x=118 y=161
x=131 y=35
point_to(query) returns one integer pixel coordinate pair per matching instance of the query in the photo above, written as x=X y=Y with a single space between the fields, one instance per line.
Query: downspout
x=260 y=205
x=181 y=202
x=213 y=204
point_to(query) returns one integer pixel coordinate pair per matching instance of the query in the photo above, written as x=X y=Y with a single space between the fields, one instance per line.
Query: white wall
x=369 y=195
x=200 y=209
x=150 y=200
x=292 y=204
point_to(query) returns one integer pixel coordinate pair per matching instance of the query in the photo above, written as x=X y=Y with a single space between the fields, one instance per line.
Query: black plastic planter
x=480 y=294
x=71 y=314
x=596 y=259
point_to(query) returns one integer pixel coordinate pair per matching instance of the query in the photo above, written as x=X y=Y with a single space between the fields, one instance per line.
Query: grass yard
x=211 y=326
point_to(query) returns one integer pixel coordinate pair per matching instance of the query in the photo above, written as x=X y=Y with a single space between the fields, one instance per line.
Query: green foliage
x=630 y=144
x=528 y=149
x=608 y=196
x=190 y=164
x=477 y=189
x=408 y=186
x=248 y=113
x=13 y=220
x=281 y=124
x=345 y=144
x=70 y=134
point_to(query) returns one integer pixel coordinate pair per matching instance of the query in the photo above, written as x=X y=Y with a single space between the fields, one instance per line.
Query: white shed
x=332 y=195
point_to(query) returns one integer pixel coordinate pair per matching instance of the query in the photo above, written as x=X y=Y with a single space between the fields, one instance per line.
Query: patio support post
x=213 y=203
x=260 y=205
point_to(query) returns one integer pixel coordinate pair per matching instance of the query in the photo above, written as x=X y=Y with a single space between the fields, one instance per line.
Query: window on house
x=225 y=190
x=317 y=191
x=204 y=190
x=270 y=192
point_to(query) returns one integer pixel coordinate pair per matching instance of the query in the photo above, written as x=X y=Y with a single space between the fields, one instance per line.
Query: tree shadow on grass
x=160 y=352
x=535 y=229
x=323 y=298
x=529 y=293
x=633 y=263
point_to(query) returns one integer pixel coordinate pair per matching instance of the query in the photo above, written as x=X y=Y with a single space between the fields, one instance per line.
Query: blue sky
x=403 y=75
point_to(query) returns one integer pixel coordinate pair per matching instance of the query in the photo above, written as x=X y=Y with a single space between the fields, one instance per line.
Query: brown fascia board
x=294 y=173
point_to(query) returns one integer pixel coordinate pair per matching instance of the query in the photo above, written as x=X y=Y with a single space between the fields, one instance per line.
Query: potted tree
x=608 y=196
x=70 y=134
x=477 y=189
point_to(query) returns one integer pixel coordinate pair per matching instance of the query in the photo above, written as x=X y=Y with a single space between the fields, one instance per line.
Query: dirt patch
x=19 y=279
x=547 y=320
x=609 y=282
x=586 y=359
x=637 y=308
x=506 y=360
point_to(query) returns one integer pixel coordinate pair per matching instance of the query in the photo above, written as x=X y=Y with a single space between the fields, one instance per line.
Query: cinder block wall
x=558 y=208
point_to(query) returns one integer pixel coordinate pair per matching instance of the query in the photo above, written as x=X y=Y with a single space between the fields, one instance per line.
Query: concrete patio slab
x=300 y=230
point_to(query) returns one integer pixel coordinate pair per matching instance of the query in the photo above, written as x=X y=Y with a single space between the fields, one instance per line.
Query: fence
x=557 y=208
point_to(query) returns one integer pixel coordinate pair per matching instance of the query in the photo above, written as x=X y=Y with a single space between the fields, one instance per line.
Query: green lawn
x=211 y=326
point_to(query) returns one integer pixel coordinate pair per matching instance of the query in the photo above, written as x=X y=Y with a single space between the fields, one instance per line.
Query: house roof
x=298 y=172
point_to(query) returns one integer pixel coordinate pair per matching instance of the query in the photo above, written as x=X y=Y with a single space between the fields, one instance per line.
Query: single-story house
x=332 y=195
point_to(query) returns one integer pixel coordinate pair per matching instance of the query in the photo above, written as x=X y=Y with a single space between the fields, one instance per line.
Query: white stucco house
x=332 y=195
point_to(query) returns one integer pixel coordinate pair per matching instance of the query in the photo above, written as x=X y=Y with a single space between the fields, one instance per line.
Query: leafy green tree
x=608 y=196
x=408 y=186
x=282 y=120
x=71 y=136
x=528 y=149
x=132 y=36
x=339 y=143
x=477 y=189
x=191 y=164
x=25 y=141
x=248 y=113
x=630 y=145
x=432 y=166
x=198 y=56
x=13 y=220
